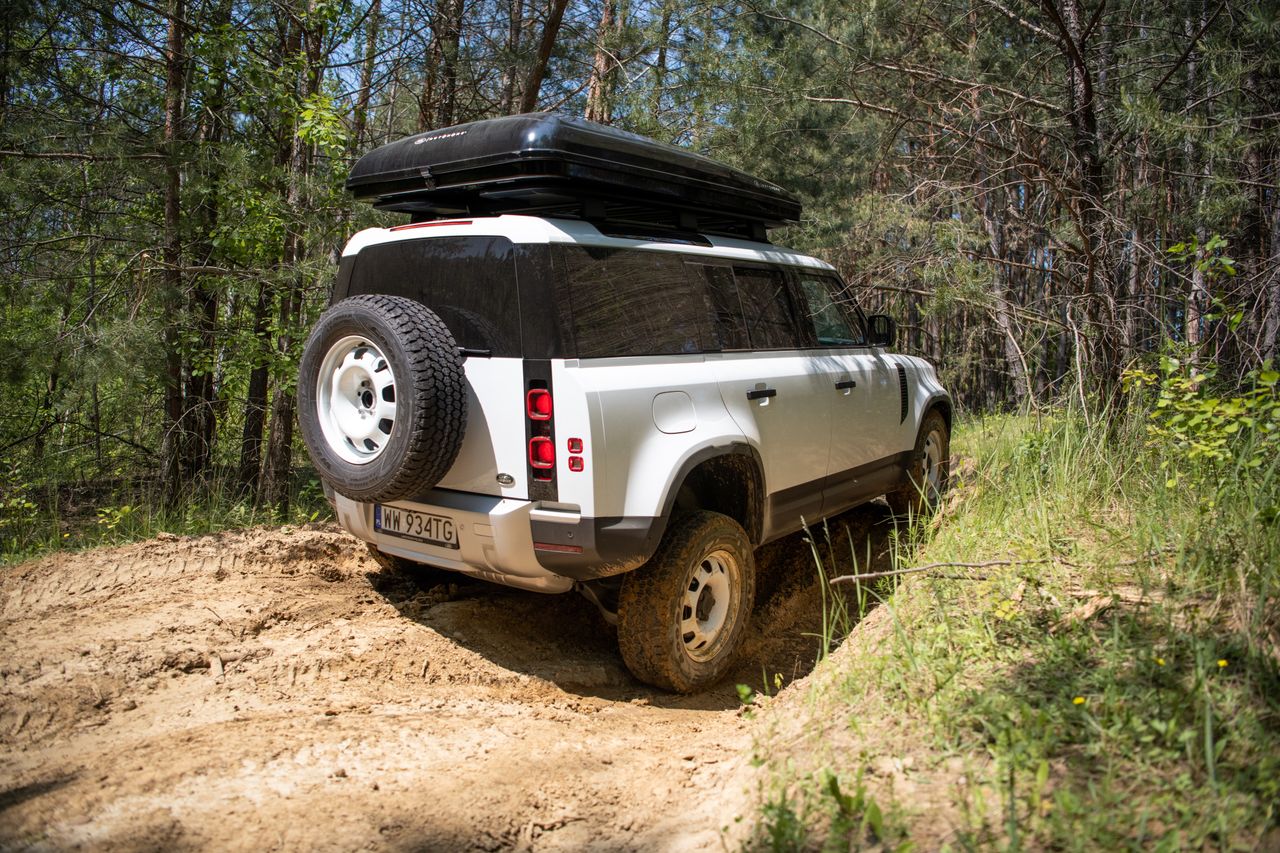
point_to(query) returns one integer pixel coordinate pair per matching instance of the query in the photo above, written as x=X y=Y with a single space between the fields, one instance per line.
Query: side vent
x=902 y=385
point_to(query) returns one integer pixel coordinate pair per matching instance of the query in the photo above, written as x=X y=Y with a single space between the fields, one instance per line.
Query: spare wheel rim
x=356 y=400
x=705 y=607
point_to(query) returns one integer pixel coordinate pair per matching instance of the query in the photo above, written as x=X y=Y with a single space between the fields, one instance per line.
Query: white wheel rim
x=356 y=400
x=705 y=605
x=933 y=463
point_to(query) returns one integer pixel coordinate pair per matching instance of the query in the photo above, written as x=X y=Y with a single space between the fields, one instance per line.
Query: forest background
x=1045 y=194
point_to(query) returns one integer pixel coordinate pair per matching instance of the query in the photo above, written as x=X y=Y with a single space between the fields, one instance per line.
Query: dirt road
x=276 y=690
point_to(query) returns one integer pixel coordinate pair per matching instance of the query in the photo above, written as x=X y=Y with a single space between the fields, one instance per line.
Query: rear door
x=770 y=386
x=470 y=282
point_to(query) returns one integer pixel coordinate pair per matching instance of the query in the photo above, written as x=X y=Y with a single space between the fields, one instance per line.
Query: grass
x=37 y=521
x=1116 y=686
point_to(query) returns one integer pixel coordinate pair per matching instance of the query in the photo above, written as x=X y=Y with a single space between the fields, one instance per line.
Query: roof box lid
x=549 y=164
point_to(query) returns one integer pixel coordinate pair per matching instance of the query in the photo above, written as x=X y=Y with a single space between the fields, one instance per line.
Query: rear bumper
x=517 y=543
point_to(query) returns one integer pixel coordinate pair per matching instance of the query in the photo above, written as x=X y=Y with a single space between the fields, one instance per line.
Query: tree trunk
x=199 y=407
x=278 y=475
x=438 y=103
x=255 y=404
x=660 y=65
x=449 y=37
x=601 y=66
x=533 y=85
x=511 y=72
x=175 y=83
x=1198 y=296
x=1271 y=323
x=360 y=114
x=1014 y=360
x=1097 y=286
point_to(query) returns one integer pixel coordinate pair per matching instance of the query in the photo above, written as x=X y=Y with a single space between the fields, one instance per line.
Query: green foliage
x=37 y=520
x=320 y=123
x=850 y=820
x=1206 y=258
x=1206 y=436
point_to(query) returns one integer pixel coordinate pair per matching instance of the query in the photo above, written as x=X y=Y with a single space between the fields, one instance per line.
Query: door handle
x=761 y=393
x=846 y=384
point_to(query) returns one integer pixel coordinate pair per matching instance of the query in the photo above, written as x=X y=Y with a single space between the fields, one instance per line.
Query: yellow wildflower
x=1222 y=662
x=1079 y=700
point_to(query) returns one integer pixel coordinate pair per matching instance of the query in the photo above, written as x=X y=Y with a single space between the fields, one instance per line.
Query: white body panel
x=631 y=461
x=494 y=440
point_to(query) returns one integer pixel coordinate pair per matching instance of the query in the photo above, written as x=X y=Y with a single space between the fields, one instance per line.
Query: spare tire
x=382 y=397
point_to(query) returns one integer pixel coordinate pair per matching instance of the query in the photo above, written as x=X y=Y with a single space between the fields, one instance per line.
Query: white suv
x=555 y=403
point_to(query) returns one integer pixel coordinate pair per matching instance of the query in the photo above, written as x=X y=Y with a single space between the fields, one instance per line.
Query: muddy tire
x=929 y=472
x=382 y=398
x=683 y=615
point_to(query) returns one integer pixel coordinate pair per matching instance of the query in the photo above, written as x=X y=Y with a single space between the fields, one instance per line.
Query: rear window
x=628 y=302
x=469 y=281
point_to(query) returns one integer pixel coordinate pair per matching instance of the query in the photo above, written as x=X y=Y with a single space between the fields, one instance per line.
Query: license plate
x=418 y=526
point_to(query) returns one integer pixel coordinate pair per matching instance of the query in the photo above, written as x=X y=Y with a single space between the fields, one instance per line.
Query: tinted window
x=831 y=321
x=728 y=328
x=627 y=302
x=469 y=281
x=766 y=307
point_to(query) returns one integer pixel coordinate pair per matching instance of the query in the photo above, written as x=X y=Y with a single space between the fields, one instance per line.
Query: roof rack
x=551 y=165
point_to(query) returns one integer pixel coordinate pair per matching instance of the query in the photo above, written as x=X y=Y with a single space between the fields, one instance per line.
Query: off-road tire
x=921 y=494
x=430 y=397
x=652 y=606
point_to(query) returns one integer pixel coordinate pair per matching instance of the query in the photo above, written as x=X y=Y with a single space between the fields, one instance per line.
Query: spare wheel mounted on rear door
x=382 y=397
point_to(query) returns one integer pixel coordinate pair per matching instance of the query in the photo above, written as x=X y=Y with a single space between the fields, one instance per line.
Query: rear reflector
x=575 y=445
x=576 y=463
x=551 y=546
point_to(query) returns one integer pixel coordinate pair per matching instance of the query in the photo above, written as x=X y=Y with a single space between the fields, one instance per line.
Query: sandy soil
x=275 y=689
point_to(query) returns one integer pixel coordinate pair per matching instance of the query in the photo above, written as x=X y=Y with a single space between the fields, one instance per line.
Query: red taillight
x=542 y=453
x=538 y=404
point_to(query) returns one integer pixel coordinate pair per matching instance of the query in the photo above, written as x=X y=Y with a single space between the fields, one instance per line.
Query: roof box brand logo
x=422 y=139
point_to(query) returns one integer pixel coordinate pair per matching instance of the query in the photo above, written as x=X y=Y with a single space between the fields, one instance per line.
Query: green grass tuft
x=39 y=520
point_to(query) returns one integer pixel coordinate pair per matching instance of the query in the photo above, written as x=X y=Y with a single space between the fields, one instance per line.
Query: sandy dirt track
x=276 y=689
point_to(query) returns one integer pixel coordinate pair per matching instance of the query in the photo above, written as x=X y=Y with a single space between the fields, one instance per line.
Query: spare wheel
x=382 y=397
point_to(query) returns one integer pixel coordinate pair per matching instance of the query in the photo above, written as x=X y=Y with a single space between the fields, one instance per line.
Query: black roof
x=553 y=165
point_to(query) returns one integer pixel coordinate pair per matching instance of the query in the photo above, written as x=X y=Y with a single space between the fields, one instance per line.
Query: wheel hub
x=704 y=610
x=356 y=400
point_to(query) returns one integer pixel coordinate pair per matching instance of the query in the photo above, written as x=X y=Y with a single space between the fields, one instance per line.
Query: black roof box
x=552 y=165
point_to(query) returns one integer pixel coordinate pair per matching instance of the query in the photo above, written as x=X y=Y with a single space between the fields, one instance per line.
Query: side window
x=628 y=302
x=766 y=308
x=833 y=325
x=728 y=328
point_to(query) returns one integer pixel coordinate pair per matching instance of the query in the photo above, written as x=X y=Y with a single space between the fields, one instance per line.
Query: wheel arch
x=940 y=402
x=728 y=479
